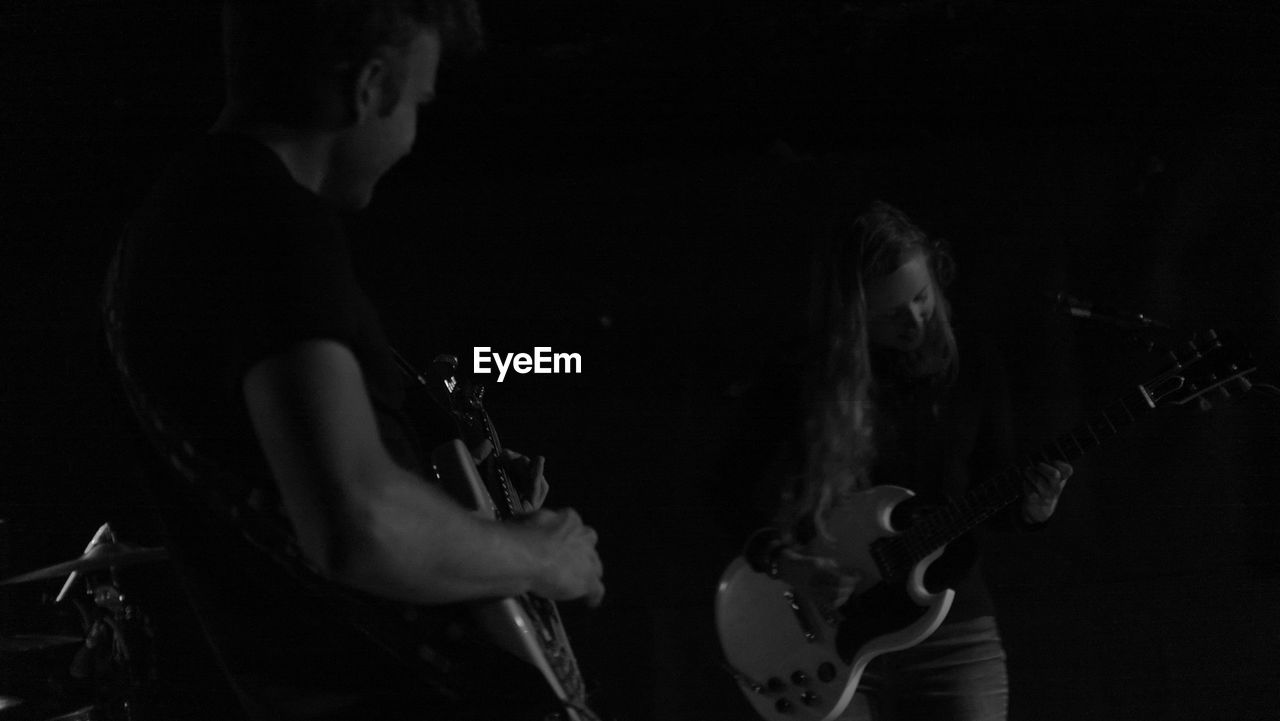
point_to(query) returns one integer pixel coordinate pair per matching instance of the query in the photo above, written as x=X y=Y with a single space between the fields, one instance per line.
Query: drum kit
x=103 y=672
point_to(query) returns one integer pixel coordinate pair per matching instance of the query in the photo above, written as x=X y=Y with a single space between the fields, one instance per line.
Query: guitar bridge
x=806 y=626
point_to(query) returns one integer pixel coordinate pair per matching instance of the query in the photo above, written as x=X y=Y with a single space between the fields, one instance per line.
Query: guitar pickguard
x=795 y=658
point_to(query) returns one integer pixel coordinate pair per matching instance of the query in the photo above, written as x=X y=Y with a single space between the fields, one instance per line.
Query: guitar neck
x=501 y=489
x=983 y=501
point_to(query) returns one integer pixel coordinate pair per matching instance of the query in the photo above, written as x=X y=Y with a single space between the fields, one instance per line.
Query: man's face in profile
x=380 y=138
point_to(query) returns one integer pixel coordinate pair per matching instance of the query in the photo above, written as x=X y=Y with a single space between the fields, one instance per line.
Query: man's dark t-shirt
x=228 y=262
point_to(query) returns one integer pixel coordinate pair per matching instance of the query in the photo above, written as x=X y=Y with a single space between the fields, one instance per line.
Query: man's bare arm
x=368 y=523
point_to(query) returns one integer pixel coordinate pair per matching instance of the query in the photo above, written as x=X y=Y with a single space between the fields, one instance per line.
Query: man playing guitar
x=260 y=371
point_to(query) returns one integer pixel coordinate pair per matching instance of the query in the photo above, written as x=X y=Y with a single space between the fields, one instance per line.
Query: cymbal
x=100 y=557
x=19 y=644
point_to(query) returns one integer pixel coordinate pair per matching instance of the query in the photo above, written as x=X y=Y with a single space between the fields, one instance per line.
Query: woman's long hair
x=840 y=442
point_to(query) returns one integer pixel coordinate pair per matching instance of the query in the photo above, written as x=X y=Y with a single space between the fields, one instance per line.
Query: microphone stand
x=1136 y=327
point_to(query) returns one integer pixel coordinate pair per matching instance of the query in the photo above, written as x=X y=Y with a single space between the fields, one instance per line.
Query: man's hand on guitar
x=527 y=474
x=1042 y=487
x=570 y=566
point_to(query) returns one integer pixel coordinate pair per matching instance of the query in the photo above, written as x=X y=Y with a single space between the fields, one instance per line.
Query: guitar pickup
x=802 y=616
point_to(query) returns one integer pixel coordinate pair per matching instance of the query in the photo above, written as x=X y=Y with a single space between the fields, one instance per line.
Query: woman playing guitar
x=886 y=397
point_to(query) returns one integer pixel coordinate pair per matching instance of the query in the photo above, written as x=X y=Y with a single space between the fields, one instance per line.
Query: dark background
x=639 y=183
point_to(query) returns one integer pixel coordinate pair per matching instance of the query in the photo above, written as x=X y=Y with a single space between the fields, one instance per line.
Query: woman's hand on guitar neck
x=1042 y=487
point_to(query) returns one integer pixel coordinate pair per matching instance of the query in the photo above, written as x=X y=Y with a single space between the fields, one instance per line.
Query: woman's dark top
x=932 y=438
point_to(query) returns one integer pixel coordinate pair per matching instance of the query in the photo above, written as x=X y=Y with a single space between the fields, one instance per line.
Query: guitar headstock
x=464 y=398
x=1206 y=370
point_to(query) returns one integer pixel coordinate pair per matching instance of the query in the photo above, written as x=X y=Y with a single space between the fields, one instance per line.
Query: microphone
x=1080 y=308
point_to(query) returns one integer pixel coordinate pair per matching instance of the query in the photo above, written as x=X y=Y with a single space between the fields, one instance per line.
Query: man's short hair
x=278 y=53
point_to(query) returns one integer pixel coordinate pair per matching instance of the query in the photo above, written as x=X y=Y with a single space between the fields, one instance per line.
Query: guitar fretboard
x=939 y=528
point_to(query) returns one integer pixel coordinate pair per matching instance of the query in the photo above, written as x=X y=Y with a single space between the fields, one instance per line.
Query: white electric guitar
x=797 y=657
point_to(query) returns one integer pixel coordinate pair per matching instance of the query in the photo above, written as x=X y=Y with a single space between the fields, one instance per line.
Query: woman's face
x=900 y=305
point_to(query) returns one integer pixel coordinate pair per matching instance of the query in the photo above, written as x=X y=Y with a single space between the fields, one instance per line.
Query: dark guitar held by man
x=305 y=513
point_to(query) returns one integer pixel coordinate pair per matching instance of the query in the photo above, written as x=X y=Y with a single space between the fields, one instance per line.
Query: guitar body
x=795 y=658
x=526 y=626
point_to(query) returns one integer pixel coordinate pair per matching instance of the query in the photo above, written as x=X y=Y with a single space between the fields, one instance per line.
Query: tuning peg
x=1244 y=385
